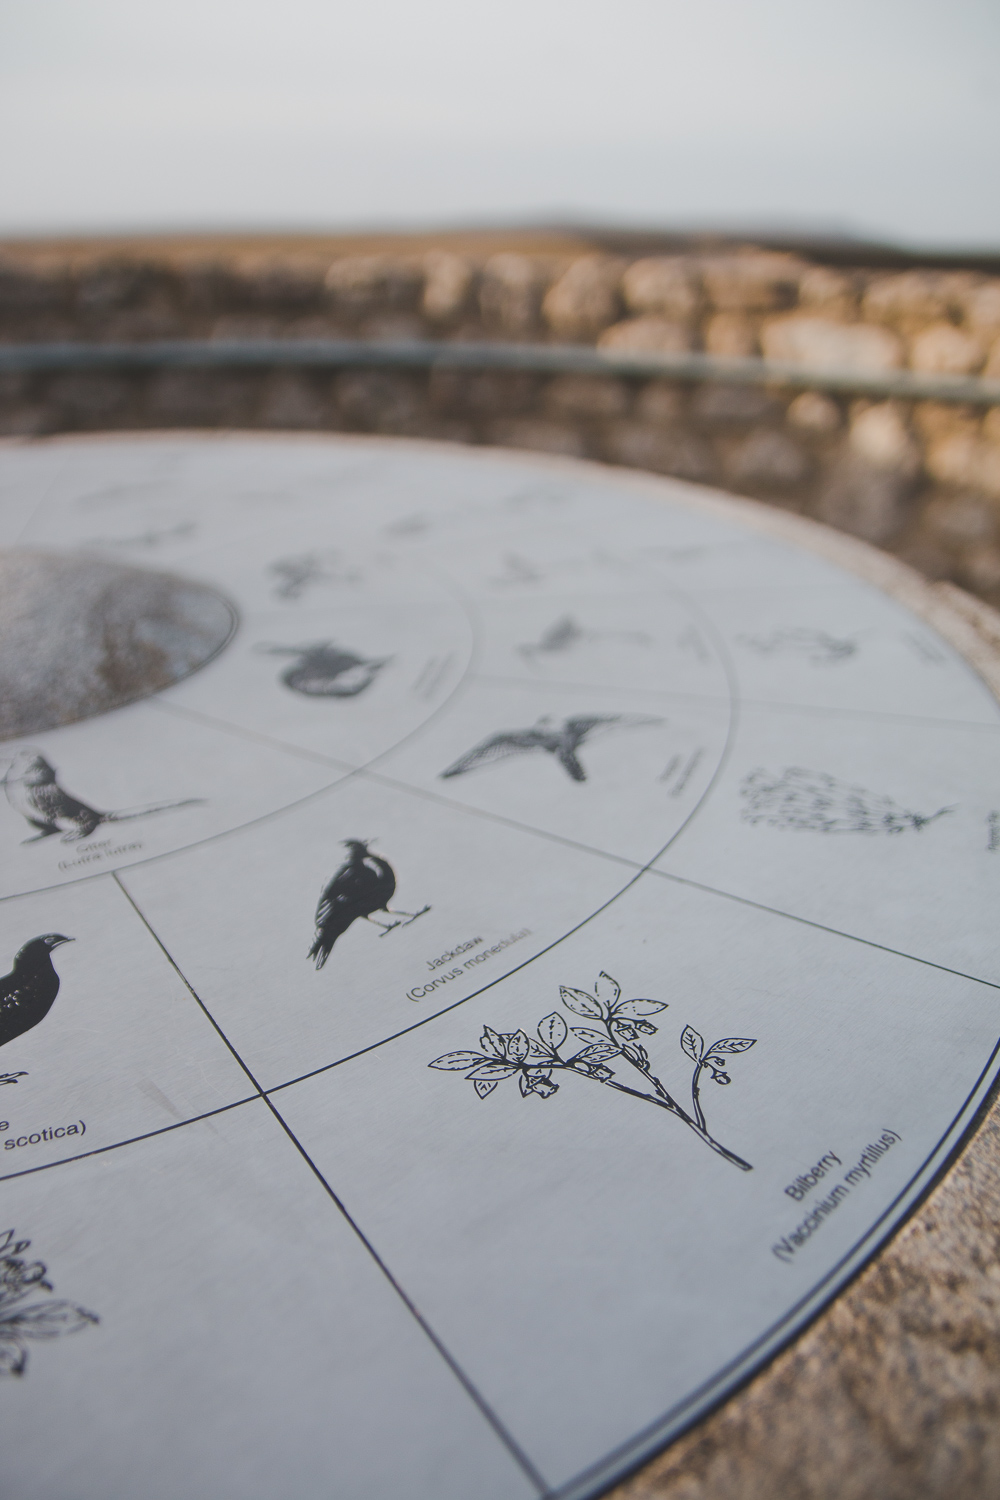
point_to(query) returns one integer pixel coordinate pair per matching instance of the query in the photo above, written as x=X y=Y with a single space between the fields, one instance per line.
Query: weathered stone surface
x=981 y=306
x=769 y=459
x=755 y=281
x=664 y=450
x=647 y=335
x=812 y=411
x=832 y=293
x=666 y=285
x=361 y=284
x=511 y=292
x=824 y=344
x=880 y=436
x=539 y=436
x=912 y=299
x=586 y=298
x=295 y=401
x=586 y=396
x=943 y=349
x=729 y=405
x=864 y=498
x=731 y=336
x=448 y=282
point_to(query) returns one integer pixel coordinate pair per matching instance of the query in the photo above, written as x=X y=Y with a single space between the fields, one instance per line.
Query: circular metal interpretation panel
x=459 y=1032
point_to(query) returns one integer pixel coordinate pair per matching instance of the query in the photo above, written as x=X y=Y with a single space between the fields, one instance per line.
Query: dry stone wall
x=919 y=478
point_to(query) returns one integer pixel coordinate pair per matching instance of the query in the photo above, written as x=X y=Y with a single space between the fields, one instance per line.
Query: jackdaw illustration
x=324 y=670
x=27 y=993
x=364 y=884
x=562 y=742
x=33 y=791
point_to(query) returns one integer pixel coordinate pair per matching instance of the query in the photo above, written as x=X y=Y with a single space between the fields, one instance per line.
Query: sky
x=873 y=117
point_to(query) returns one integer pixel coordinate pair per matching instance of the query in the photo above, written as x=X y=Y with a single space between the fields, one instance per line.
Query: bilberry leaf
x=616 y=989
x=484 y=1086
x=457 y=1062
x=639 y=1007
x=493 y=1069
x=586 y=1034
x=490 y=1042
x=734 y=1044
x=517 y=1046
x=47 y=1320
x=552 y=1030
x=580 y=1002
x=599 y=1052
x=693 y=1044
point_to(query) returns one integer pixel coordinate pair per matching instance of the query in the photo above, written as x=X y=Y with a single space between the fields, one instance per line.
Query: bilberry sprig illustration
x=618 y=1026
x=21 y=1321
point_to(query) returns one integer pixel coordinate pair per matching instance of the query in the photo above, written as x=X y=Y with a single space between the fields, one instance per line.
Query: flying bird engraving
x=562 y=742
x=27 y=993
x=324 y=670
x=364 y=884
x=33 y=791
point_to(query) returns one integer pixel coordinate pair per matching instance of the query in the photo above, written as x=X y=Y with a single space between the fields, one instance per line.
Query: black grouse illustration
x=328 y=671
x=563 y=741
x=33 y=791
x=27 y=992
x=363 y=885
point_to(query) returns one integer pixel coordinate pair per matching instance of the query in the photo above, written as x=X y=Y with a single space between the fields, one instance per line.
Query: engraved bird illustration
x=33 y=791
x=562 y=742
x=364 y=884
x=29 y=990
x=324 y=670
x=565 y=635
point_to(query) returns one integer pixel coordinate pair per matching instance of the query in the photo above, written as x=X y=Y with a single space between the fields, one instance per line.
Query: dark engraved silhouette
x=20 y=1320
x=296 y=574
x=28 y=992
x=815 y=645
x=566 y=636
x=617 y=1026
x=562 y=742
x=327 y=671
x=364 y=884
x=33 y=791
x=796 y=798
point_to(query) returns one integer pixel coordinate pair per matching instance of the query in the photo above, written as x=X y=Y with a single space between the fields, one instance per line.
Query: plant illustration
x=811 y=799
x=21 y=1321
x=615 y=1032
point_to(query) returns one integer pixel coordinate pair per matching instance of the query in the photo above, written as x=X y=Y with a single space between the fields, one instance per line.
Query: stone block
x=586 y=396
x=665 y=285
x=758 y=281
x=832 y=293
x=943 y=349
x=379 y=401
x=647 y=335
x=911 y=299
x=360 y=285
x=660 y=401
x=538 y=436
x=731 y=336
x=294 y=400
x=966 y=461
x=879 y=435
x=733 y=405
x=813 y=412
x=511 y=292
x=663 y=450
x=960 y=520
x=824 y=344
x=448 y=282
x=981 y=306
x=864 y=499
x=992 y=368
x=90 y=398
x=201 y=398
x=767 y=459
x=586 y=297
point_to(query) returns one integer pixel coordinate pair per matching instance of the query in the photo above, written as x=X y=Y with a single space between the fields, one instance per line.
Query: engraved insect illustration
x=324 y=670
x=566 y=636
x=816 y=646
x=21 y=1320
x=614 y=1032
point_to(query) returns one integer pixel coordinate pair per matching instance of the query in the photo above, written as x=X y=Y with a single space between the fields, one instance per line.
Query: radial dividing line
x=470 y=1389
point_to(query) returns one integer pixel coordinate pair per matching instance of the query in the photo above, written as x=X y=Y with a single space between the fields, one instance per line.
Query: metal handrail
x=544 y=359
